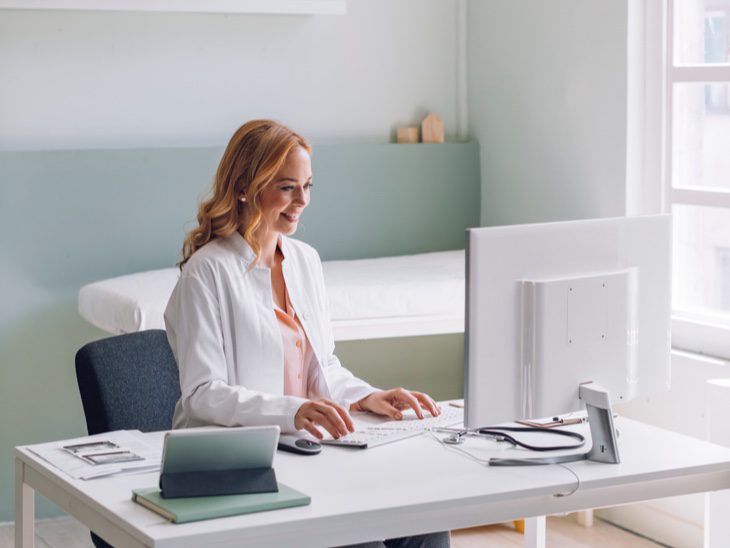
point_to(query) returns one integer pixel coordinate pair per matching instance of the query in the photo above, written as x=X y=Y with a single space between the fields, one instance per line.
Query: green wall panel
x=68 y=218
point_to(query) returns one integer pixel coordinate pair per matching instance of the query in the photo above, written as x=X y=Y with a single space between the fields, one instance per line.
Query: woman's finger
x=389 y=410
x=312 y=429
x=408 y=398
x=344 y=415
x=427 y=403
x=325 y=419
x=333 y=416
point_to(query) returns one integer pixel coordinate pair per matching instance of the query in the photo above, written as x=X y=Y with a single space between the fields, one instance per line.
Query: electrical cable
x=577 y=479
x=501 y=462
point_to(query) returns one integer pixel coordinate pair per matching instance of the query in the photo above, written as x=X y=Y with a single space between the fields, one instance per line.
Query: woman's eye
x=290 y=188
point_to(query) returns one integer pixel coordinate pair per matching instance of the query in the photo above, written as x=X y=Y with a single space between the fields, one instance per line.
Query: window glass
x=701 y=255
x=701 y=31
x=701 y=135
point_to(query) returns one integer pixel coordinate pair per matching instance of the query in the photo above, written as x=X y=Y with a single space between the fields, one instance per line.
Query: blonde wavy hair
x=254 y=155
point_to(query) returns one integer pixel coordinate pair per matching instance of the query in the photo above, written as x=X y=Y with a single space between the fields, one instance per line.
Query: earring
x=243 y=199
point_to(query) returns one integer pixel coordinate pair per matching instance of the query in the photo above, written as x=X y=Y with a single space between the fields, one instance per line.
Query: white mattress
x=369 y=298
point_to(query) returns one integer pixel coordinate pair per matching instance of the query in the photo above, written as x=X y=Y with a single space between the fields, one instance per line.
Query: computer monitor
x=552 y=305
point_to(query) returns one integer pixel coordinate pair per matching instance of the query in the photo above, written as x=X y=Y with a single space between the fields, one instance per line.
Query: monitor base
x=604 y=446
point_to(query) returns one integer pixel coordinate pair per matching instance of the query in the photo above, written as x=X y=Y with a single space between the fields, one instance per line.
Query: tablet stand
x=218 y=482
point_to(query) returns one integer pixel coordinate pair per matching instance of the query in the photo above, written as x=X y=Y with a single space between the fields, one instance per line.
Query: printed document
x=118 y=452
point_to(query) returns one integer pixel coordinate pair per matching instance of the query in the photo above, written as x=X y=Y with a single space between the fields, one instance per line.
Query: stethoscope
x=500 y=433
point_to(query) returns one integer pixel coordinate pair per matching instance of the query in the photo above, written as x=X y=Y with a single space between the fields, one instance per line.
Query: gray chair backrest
x=128 y=382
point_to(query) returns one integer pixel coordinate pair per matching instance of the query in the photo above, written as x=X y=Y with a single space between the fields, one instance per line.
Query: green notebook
x=183 y=510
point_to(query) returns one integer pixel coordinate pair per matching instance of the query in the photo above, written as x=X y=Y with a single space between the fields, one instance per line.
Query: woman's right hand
x=325 y=413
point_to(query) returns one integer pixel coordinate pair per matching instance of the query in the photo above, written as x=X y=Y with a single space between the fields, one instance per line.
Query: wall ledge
x=270 y=7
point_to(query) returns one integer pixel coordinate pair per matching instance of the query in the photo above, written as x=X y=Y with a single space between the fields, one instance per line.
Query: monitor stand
x=603 y=433
x=600 y=421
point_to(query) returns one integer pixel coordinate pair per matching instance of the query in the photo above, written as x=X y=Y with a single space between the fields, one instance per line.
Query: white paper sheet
x=80 y=468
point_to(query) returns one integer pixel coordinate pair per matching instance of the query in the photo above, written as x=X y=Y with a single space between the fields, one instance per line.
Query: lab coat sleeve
x=193 y=326
x=344 y=387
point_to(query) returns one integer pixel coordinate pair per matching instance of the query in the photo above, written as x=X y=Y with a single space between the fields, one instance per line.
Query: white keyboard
x=371 y=431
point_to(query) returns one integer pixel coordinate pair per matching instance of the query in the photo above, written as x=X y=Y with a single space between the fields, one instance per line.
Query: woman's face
x=284 y=199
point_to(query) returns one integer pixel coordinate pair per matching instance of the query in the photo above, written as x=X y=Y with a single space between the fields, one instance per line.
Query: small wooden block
x=432 y=129
x=406 y=135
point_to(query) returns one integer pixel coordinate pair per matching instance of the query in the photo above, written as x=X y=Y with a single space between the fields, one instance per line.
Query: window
x=697 y=170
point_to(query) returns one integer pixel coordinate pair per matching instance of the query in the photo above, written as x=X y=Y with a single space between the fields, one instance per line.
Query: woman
x=248 y=321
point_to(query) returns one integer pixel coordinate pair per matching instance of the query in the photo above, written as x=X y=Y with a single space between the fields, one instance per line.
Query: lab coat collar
x=242 y=248
x=247 y=254
x=284 y=246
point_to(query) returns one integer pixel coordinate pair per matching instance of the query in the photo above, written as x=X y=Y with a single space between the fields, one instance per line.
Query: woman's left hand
x=391 y=402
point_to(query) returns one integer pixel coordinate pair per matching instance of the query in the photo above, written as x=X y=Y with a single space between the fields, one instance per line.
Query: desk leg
x=24 y=509
x=717 y=527
x=535 y=532
x=584 y=518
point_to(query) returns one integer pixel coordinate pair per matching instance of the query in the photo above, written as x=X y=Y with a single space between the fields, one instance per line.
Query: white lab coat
x=227 y=341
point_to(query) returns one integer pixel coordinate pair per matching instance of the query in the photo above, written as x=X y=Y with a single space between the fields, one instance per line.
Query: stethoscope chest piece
x=454 y=439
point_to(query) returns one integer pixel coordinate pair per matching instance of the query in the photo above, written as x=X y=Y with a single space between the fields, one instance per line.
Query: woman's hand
x=391 y=402
x=325 y=413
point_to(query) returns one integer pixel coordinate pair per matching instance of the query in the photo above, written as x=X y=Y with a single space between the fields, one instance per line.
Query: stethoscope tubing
x=500 y=433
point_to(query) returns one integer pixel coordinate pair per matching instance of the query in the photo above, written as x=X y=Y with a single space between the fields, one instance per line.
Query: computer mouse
x=300 y=446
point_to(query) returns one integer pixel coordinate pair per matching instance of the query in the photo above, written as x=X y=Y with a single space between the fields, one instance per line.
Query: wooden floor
x=562 y=532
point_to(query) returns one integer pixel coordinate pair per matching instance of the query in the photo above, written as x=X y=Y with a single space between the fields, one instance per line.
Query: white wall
x=101 y=79
x=547 y=101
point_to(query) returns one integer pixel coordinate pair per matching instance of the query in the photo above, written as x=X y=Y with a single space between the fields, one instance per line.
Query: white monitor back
x=552 y=305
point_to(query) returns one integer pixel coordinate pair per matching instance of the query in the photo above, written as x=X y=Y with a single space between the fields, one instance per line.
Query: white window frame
x=652 y=73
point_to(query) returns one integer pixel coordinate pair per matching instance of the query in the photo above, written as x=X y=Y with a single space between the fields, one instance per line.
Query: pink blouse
x=297 y=351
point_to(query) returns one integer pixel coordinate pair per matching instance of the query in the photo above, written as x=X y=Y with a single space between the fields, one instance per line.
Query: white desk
x=413 y=486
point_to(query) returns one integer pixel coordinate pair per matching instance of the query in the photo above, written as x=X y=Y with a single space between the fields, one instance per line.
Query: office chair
x=127 y=382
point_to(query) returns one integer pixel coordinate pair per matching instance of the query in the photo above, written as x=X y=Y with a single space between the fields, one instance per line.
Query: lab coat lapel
x=292 y=269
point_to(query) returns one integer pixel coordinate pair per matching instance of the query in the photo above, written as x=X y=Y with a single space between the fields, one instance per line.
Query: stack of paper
x=119 y=452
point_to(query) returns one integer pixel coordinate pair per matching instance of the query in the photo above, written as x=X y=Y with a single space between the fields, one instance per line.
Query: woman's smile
x=292 y=217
